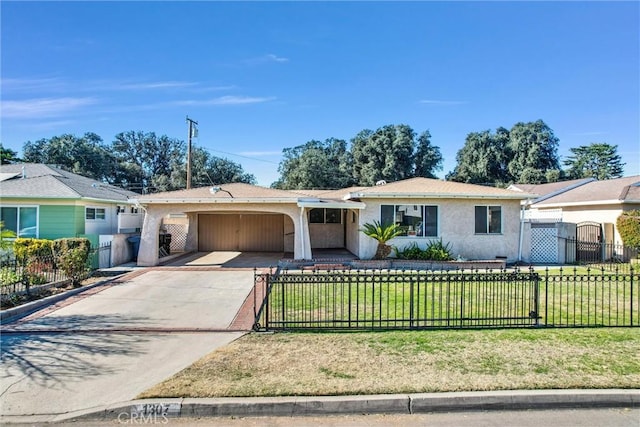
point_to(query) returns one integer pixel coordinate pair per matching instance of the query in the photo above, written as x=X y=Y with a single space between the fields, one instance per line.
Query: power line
x=240 y=155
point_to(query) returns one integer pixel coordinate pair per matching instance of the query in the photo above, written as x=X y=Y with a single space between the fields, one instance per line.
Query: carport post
x=148 y=253
x=303 y=247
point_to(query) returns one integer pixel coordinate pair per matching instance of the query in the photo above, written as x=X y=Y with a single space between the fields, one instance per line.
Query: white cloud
x=154 y=85
x=275 y=58
x=31 y=85
x=227 y=100
x=270 y=57
x=43 y=107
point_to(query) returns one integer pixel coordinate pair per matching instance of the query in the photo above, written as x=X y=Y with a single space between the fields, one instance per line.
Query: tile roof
x=610 y=190
x=43 y=181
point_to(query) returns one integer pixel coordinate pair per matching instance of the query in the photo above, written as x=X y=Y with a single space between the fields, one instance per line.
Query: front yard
x=412 y=362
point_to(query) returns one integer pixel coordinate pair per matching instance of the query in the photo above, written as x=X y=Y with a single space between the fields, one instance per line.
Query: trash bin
x=165 y=243
x=135 y=245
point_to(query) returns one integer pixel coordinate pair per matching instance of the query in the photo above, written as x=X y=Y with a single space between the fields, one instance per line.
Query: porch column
x=149 y=240
x=302 y=244
x=191 y=243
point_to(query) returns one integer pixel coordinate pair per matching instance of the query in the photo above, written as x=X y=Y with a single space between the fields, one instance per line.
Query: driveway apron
x=112 y=345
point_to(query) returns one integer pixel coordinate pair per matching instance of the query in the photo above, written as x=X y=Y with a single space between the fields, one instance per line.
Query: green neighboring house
x=46 y=202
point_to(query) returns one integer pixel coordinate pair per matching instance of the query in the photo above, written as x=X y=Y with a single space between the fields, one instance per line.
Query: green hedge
x=628 y=224
x=31 y=248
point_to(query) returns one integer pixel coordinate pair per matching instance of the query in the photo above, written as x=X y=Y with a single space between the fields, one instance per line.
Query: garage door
x=241 y=232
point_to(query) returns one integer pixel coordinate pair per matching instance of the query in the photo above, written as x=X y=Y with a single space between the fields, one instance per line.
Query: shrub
x=25 y=249
x=71 y=257
x=628 y=224
x=436 y=250
x=382 y=234
x=8 y=276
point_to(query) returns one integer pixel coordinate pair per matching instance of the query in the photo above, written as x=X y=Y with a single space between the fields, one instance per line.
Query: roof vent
x=24 y=172
x=381 y=182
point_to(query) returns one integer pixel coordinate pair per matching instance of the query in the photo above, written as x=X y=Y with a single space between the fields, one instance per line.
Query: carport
x=241 y=217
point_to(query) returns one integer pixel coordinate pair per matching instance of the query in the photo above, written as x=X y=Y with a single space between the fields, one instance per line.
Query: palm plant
x=382 y=234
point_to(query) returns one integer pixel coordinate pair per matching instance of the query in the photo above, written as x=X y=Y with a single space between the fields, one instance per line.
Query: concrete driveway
x=113 y=344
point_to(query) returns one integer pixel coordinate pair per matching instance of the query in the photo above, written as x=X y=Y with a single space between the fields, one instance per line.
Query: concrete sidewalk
x=162 y=409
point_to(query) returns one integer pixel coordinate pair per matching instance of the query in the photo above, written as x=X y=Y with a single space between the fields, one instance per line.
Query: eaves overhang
x=226 y=200
x=590 y=203
x=331 y=204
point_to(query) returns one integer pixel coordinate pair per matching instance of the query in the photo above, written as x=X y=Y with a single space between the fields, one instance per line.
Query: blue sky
x=260 y=77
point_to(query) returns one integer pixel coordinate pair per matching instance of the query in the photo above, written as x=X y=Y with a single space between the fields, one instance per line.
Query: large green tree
x=597 y=160
x=386 y=154
x=389 y=153
x=86 y=155
x=533 y=151
x=428 y=157
x=142 y=157
x=527 y=154
x=315 y=165
x=8 y=156
x=206 y=169
x=483 y=159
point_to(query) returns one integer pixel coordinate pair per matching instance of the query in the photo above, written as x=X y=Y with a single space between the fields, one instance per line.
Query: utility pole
x=193 y=131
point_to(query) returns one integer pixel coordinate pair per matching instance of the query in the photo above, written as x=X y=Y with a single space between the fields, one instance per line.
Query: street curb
x=13 y=314
x=162 y=409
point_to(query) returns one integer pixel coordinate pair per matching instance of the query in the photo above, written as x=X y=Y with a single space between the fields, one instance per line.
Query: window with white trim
x=488 y=219
x=96 y=214
x=413 y=220
x=22 y=220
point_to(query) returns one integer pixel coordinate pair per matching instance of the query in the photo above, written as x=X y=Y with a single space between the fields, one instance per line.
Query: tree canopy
x=597 y=160
x=8 y=156
x=315 y=165
x=527 y=153
x=86 y=155
x=135 y=160
x=389 y=153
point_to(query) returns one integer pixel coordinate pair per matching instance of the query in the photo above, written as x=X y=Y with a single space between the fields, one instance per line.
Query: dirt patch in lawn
x=412 y=362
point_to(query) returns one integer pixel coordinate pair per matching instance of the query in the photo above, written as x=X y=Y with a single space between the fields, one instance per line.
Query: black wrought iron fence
x=20 y=276
x=392 y=299
x=602 y=255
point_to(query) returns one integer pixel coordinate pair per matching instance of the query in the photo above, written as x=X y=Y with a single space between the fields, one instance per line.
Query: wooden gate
x=588 y=242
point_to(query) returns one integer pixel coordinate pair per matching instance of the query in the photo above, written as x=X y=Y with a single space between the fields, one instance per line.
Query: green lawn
x=412 y=362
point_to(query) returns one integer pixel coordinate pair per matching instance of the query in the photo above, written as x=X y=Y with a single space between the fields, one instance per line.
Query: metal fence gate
x=588 y=242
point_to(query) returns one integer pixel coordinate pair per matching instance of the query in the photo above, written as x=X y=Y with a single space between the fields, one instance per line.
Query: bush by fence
x=392 y=299
x=26 y=274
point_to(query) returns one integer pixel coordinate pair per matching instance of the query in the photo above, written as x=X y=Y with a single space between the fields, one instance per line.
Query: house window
x=22 y=220
x=325 y=216
x=414 y=220
x=488 y=220
x=98 y=214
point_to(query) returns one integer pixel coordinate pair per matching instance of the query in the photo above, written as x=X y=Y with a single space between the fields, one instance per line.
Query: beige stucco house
x=586 y=200
x=478 y=222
